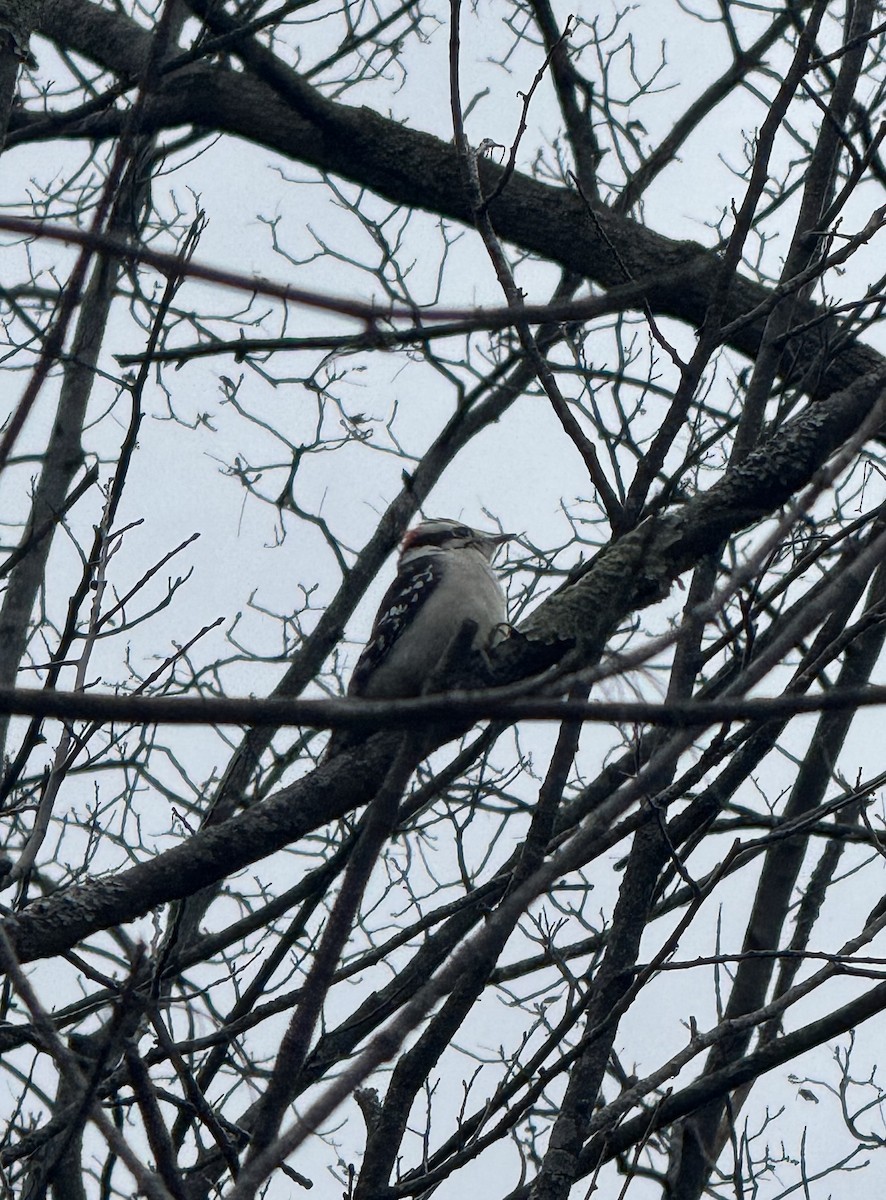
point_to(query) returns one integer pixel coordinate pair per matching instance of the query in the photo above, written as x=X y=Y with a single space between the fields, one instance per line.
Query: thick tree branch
x=409 y=167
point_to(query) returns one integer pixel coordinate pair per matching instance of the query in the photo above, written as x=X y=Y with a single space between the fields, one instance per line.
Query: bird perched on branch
x=444 y=579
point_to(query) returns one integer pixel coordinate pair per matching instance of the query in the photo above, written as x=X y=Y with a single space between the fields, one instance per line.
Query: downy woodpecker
x=444 y=578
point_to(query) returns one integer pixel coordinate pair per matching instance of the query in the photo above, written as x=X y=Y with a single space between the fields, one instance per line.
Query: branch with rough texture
x=630 y=573
x=50 y=926
x=409 y=167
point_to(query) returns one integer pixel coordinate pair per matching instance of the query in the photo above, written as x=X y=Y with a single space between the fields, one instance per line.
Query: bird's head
x=440 y=533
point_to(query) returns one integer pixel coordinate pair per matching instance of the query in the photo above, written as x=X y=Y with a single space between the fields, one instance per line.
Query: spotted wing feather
x=402 y=602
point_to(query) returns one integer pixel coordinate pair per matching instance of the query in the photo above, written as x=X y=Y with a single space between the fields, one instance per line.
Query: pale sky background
x=178 y=482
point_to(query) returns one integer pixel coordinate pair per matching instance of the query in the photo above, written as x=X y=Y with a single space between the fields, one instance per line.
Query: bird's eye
x=462 y=531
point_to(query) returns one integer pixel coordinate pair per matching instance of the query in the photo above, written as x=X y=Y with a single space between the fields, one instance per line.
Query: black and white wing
x=403 y=600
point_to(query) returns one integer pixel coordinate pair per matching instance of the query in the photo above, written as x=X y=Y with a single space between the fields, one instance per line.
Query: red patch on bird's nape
x=409 y=538
x=427 y=534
